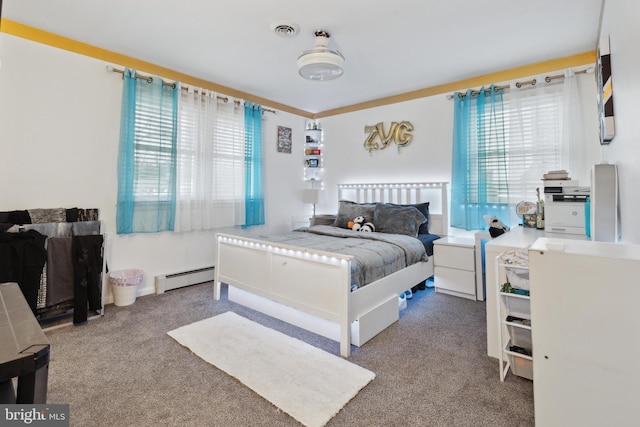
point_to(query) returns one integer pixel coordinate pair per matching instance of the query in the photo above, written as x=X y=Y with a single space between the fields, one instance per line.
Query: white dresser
x=454 y=268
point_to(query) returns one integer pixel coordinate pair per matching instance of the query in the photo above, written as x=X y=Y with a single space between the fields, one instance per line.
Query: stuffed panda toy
x=368 y=227
x=496 y=226
x=357 y=223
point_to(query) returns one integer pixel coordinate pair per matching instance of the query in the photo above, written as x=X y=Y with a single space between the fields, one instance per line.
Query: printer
x=565 y=203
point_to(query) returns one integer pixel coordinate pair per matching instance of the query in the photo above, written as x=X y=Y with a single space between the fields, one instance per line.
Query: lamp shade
x=311 y=195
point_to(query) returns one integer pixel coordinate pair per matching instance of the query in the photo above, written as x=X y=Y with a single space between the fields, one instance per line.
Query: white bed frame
x=312 y=289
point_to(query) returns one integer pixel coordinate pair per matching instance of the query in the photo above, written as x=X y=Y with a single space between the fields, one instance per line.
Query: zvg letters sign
x=378 y=139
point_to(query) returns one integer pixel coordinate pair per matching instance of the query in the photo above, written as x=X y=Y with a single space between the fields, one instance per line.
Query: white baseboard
x=167 y=282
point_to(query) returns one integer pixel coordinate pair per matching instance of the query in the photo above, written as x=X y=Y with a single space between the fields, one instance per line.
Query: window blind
x=211 y=142
x=229 y=153
x=154 y=146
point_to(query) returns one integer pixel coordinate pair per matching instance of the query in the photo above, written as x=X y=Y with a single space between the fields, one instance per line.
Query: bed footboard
x=314 y=282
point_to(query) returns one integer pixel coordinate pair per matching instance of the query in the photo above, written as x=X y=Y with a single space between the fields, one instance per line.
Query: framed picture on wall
x=284 y=140
x=605 y=92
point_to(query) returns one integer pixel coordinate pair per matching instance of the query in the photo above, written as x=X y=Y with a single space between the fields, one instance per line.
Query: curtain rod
x=173 y=85
x=531 y=82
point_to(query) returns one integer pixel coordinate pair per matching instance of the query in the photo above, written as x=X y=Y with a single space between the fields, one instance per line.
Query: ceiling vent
x=320 y=63
x=285 y=28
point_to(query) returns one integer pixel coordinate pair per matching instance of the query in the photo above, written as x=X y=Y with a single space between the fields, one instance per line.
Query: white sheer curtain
x=210 y=179
x=580 y=150
x=546 y=131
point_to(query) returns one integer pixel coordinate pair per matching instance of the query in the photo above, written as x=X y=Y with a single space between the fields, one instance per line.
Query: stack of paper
x=559 y=174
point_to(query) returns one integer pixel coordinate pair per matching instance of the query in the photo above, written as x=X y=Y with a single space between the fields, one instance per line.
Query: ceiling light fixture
x=320 y=63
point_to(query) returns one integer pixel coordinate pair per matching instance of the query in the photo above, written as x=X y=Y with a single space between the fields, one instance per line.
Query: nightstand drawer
x=462 y=258
x=455 y=280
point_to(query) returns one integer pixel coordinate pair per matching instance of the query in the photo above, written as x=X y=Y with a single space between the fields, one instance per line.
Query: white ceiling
x=391 y=47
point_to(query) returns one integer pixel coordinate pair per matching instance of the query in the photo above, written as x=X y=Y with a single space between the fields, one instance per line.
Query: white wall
x=620 y=23
x=426 y=158
x=59 y=130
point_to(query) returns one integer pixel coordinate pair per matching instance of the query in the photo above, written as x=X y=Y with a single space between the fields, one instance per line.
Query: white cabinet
x=455 y=266
x=513 y=310
x=584 y=308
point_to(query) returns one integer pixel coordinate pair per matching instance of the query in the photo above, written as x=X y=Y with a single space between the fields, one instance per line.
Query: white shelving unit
x=514 y=324
x=313 y=147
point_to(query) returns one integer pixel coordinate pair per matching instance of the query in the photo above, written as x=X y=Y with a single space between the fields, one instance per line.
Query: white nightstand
x=300 y=221
x=455 y=266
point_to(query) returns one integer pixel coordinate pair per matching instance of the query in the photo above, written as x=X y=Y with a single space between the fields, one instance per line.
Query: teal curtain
x=254 y=187
x=479 y=169
x=147 y=156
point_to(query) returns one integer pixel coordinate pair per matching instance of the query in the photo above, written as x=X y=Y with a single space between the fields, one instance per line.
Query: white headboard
x=404 y=193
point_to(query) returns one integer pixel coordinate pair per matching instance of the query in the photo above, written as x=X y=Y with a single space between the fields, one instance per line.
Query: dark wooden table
x=24 y=349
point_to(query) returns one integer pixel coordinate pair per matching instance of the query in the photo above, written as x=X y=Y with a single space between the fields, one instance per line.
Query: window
x=503 y=144
x=192 y=164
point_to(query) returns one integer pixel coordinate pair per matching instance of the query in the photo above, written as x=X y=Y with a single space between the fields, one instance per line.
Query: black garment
x=22 y=258
x=60 y=277
x=87 y=269
x=72 y=214
x=19 y=217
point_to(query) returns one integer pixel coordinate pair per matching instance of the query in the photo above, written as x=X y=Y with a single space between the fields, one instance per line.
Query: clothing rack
x=72 y=280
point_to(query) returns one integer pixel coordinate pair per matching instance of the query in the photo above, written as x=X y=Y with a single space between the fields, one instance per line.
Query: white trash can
x=124 y=285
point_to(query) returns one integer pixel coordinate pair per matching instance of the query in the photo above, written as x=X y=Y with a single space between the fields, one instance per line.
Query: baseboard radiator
x=167 y=282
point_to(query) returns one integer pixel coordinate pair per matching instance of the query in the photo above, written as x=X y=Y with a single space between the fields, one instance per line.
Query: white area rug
x=307 y=383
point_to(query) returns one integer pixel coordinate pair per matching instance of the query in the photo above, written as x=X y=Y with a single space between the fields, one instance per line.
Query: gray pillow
x=348 y=210
x=397 y=219
x=424 y=210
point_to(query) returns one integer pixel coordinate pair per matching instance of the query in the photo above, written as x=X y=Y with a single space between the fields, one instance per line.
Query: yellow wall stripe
x=54 y=40
x=585 y=58
x=30 y=33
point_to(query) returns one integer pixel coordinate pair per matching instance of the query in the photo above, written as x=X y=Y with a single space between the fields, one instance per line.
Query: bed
x=321 y=289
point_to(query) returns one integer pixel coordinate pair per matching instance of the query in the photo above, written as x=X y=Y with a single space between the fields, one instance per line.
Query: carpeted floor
x=431 y=369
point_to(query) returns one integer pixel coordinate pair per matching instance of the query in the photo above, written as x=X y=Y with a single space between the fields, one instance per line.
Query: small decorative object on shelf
x=539 y=212
x=527 y=210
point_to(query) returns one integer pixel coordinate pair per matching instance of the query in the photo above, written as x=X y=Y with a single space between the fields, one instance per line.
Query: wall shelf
x=313 y=151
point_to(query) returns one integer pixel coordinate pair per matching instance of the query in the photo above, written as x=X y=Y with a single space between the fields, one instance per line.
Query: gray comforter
x=375 y=254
